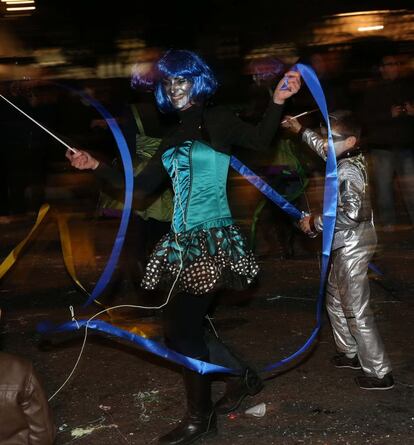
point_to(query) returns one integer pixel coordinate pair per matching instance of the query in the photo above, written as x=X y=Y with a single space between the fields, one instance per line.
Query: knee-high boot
x=200 y=419
x=248 y=383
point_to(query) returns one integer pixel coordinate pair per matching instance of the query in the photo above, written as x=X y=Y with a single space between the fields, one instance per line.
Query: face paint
x=178 y=91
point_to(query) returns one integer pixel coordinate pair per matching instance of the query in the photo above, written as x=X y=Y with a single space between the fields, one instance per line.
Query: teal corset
x=199 y=178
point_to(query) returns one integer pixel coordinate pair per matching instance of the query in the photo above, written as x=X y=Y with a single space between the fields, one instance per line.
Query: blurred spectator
x=387 y=113
x=329 y=66
x=82 y=125
x=25 y=415
x=265 y=73
x=281 y=167
x=143 y=125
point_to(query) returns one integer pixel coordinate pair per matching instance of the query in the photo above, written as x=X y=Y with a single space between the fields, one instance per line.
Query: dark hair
x=183 y=63
x=346 y=123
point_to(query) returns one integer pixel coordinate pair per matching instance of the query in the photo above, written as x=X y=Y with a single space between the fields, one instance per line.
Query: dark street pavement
x=119 y=394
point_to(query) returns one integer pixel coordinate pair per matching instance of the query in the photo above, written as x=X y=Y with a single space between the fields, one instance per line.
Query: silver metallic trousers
x=347 y=302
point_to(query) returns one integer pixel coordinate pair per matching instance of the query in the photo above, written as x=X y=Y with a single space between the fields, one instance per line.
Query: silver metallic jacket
x=347 y=290
x=354 y=205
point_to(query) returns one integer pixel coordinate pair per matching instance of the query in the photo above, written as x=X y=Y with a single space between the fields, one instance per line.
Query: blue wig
x=183 y=63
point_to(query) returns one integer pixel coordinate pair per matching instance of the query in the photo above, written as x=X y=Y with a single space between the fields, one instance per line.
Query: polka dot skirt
x=201 y=261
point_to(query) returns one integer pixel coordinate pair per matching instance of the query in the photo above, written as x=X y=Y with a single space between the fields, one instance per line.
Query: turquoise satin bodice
x=199 y=178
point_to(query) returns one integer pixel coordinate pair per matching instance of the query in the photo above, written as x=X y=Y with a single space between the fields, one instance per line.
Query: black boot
x=247 y=384
x=200 y=420
x=238 y=388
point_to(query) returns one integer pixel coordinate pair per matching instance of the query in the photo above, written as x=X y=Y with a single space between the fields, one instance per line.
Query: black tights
x=183 y=323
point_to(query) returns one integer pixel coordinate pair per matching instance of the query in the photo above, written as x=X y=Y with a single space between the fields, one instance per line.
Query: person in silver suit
x=357 y=339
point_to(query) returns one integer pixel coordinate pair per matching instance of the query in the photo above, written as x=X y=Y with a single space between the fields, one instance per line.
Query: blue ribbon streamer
x=145 y=343
x=330 y=200
x=329 y=203
x=129 y=188
x=329 y=208
x=266 y=189
x=329 y=217
x=126 y=210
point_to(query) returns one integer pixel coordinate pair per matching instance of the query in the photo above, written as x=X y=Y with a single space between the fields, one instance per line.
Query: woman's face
x=178 y=91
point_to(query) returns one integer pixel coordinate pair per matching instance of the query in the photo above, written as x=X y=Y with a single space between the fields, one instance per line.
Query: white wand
x=41 y=126
x=299 y=115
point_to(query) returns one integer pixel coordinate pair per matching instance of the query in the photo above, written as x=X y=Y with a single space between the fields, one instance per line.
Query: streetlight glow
x=370 y=28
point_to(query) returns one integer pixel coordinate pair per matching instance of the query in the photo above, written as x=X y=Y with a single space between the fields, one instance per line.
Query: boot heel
x=201 y=419
x=249 y=384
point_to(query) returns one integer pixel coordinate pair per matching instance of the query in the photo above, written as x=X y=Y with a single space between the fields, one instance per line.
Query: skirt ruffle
x=201 y=261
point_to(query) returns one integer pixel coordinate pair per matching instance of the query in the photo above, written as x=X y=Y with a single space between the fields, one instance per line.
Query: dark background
x=95 y=25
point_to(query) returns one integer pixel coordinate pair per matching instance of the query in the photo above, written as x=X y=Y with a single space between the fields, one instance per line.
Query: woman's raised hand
x=292 y=87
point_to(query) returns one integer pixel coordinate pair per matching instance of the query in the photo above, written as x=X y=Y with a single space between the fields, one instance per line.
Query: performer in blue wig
x=204 y=250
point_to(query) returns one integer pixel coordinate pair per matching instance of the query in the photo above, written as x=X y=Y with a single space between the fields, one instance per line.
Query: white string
x=72 y=312
x=40 y=125
x=76 y=363
x=178 y=195
x=86 y=331
x=212 y=326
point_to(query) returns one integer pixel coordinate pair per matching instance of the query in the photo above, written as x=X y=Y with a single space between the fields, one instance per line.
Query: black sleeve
x=226 y=129
x=147 y=183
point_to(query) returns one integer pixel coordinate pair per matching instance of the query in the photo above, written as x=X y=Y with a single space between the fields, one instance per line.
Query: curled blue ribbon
x=126 y=210
x=129 y=188
x=330 y=200
x=329 y=217
x=329 y=208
